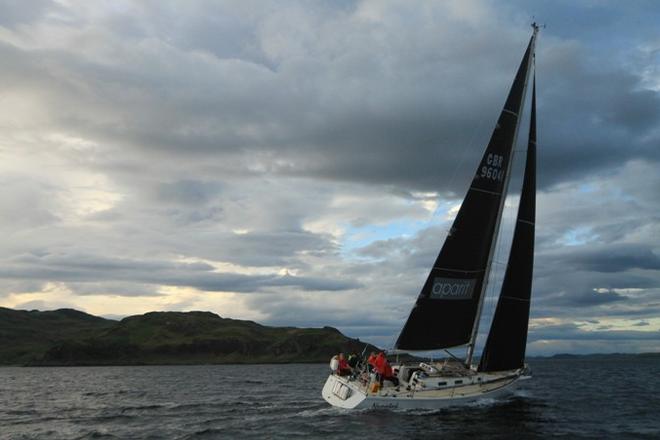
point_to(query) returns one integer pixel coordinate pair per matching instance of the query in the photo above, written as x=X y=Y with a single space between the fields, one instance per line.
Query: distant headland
x=71 y=337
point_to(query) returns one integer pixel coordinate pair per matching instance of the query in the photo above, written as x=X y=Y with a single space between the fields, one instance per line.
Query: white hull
x=355 y=395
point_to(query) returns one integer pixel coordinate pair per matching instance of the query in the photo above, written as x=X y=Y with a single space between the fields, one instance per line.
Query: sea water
x=567 y=398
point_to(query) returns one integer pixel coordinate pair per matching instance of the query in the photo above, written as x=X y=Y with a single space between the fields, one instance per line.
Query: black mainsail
x=447 y=308
x=505 y=346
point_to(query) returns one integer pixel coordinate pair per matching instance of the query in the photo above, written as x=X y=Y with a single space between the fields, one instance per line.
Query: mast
x=482 y=294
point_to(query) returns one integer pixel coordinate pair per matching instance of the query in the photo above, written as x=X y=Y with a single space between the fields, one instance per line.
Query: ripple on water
x=246 y=402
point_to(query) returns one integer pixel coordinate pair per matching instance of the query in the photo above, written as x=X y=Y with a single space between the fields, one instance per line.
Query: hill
x=26 y=335
x=70 y=337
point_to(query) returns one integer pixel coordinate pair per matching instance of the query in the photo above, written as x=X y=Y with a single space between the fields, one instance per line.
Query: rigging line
x=515 y=299
x=469 y=147
x=453 y=356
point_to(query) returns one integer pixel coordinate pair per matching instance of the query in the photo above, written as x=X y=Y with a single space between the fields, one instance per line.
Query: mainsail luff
x=505 y=346
x=446 y=308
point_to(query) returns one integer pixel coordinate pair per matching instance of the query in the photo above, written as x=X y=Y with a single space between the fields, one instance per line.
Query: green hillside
x=70 y=337
x=27 y=335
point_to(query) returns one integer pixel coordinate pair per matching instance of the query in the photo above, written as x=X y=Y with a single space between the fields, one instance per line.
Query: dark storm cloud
x=319 y=124
x=333 y=111
x=615 y=258
x=587 y=298
x=562 y=291
x=373 y=327
x=609 y=121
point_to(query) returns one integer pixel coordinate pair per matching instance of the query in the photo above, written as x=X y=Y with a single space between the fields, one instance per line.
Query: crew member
x=384 y=369
x=371 y=361
x=344 y=369
x=353 y=360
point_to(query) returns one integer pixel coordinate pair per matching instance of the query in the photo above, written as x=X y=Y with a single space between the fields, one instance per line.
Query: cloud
x=300 y=163
x=572 y=332
x=14 y=14
x=42 y=305
x=613 y=258
x=202 y=276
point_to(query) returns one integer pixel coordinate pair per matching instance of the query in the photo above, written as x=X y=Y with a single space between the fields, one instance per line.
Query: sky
x=299 y=163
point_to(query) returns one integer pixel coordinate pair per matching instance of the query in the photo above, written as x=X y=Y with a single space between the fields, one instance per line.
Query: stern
x=341 y=393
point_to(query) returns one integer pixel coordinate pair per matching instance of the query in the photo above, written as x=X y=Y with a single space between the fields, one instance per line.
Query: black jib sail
x=505 y=346
x=448 y=304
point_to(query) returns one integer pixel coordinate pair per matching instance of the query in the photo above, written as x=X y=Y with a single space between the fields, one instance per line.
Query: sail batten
x=447 y=307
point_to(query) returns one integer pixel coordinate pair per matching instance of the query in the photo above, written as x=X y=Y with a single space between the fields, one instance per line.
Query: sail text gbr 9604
x=446 y=313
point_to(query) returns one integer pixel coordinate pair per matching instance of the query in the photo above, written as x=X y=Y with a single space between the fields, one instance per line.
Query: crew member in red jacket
x=371 y=362
x=344 y=369
x=384 y=369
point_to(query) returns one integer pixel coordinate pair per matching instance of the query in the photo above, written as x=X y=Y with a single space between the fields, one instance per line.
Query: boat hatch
x=342 y=391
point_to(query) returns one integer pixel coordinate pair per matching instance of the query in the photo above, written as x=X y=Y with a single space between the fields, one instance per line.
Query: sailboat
x=449 y=307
